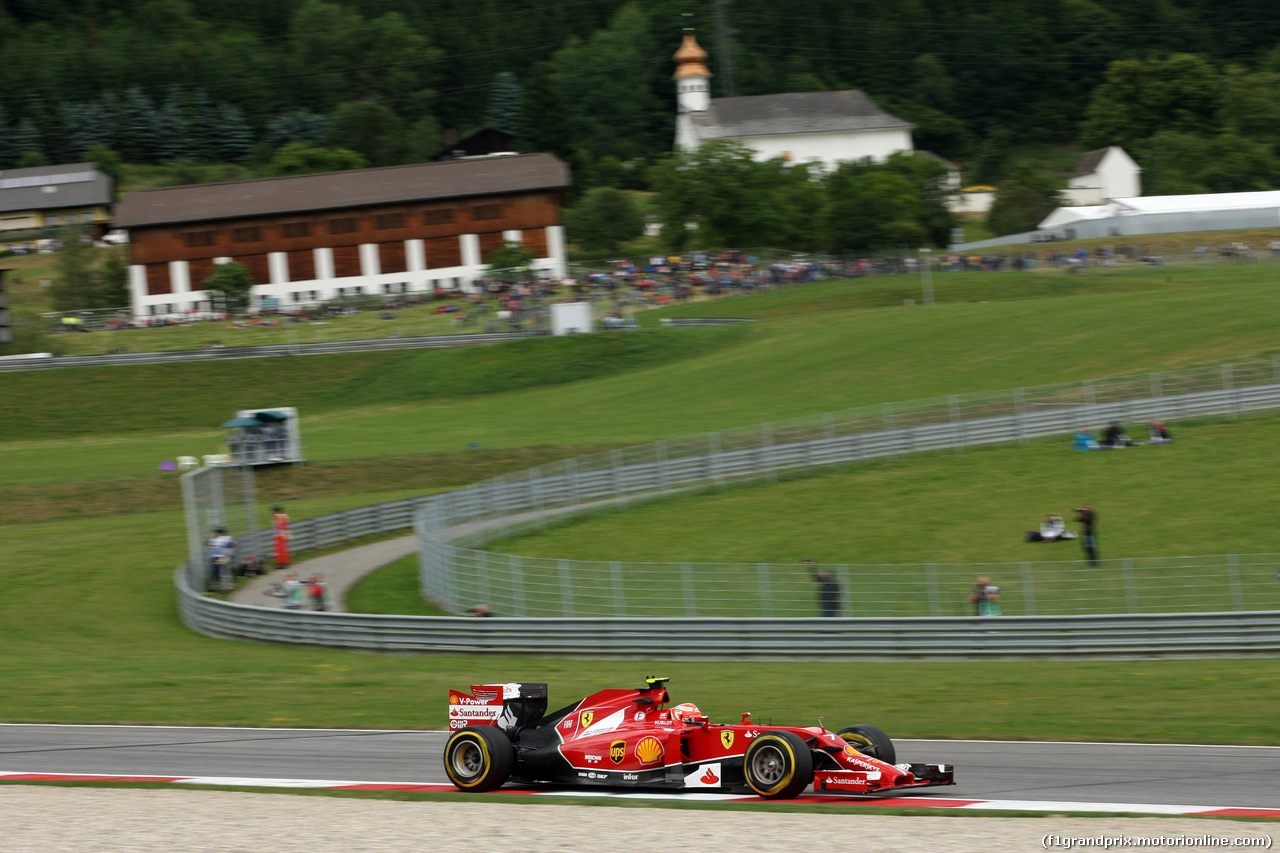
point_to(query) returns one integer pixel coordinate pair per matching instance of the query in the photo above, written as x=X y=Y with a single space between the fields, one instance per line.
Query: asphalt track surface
x=1107 y=774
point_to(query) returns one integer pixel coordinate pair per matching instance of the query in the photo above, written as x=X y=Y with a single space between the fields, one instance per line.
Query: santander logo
x=709 y=778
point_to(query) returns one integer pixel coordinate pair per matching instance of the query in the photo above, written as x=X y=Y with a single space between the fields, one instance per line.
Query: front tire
x=778 y=765
x=479 y=758
x=870 y=741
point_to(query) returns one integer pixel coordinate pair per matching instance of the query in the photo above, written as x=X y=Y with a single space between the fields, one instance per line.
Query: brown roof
x=333 y=190
x=1089 y=162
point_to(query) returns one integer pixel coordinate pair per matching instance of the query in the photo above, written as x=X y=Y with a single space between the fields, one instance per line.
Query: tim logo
x=586 y=718
x=617 y=751
x=726 y=740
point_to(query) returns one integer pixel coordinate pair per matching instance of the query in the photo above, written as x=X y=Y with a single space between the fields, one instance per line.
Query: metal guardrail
x=219 y=353
x=1139 y=635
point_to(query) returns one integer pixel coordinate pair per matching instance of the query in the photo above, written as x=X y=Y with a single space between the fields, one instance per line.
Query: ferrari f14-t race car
x=631 y=738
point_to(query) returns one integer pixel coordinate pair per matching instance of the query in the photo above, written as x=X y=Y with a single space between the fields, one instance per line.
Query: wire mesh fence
x=512 y=585
x=219 y=498
x=456 y=524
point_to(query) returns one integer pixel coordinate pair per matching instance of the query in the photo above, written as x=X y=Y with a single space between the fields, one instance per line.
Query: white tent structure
x=1167 y=214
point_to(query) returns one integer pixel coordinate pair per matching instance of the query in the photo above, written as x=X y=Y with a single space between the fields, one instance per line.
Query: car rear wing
x=507 y=706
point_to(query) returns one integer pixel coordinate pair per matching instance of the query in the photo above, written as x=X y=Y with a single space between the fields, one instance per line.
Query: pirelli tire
x=870 y=741
x=479 y=758
x=778 y=765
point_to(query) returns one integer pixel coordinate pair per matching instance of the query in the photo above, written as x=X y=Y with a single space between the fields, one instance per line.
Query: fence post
x=571 y=474
x=1233 y=406
x=887 y=410
x=660 y=456
x=766 y=596
x=517 y=586
x=713 y=445
x=619 y=591
x=1090 y=399
x=690 y=595
x=483 y=579
x=935 y=595
x=1157 y=391
x=829 y=433
x=1029 y=589
x=958 y=437
x=619 y=484
x=1130 y=586
x=1233 y=577
x=566 y=589
x=1020 y=413
x=766 y=451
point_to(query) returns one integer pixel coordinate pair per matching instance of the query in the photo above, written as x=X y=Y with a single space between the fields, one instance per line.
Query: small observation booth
x=264 y=437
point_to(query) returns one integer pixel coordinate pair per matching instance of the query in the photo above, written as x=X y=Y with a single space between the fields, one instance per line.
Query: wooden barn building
x=312 y=238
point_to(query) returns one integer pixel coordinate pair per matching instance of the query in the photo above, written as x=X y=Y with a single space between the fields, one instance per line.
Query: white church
x=799 y=127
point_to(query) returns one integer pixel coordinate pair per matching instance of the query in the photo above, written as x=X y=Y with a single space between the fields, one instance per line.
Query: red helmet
x=685 y=710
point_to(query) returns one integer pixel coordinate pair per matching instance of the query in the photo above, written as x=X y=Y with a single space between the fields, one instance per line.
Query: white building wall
x=370 y=263
x=415 y=255
x=831 y=148
x=1119 y=176
x=419 y=278
x=278 y=267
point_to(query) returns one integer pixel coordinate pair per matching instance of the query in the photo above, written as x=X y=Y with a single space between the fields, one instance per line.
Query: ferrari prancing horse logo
x=726 y=738
x=587 y=717
x=617 y=751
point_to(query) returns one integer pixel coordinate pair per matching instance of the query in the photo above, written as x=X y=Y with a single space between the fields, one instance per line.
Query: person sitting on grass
x=1083 y=440
x=1051 y=529
x=1115 y=437
x=1159 y=433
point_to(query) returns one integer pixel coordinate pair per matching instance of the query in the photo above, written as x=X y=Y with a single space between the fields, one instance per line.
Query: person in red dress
x=280 y=534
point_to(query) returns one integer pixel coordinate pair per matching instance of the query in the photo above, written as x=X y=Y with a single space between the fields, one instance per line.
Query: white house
x=826 y=127
x=1102 y=175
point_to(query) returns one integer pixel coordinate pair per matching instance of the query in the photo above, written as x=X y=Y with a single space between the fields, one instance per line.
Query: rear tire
x=778 y=765
x=870 y=741
x=479 y=758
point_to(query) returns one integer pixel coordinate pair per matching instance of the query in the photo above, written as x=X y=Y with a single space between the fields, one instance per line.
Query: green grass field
x=90 y=532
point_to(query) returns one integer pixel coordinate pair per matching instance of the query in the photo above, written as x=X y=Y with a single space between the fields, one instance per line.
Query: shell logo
x=453 y=700
x=649 y=750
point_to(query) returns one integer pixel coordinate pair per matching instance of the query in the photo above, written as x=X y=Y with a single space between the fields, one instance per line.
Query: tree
x=1021 y=203
x=613 y=92
x=1141 y=97
x=298 y=158
x=603 y=219
x=368 y=128
x=723 y=192
x=75 y=288
x=512 y=256
x=871 y=209
x=27 y=146
x=233 y=283
x=107 y=161
x=505 y=97
x=113 y=276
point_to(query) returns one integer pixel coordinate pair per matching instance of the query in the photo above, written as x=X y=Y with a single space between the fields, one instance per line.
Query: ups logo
x=617 y=751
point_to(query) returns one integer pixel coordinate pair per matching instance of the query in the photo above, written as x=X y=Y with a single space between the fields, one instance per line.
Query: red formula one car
x=630 y=738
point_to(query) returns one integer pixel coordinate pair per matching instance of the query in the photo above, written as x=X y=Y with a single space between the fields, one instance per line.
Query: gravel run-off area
x=40 y=819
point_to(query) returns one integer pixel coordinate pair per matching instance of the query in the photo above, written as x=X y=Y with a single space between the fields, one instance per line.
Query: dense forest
x=1190 y=87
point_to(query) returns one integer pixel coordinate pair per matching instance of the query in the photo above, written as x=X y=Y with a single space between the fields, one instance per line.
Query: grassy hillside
x=87 y=618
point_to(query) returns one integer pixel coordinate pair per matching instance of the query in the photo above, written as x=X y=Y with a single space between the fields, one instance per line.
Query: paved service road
x=1233 y=776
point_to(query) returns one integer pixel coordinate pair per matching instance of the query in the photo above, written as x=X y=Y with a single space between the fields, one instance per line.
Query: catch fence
x=452 y=527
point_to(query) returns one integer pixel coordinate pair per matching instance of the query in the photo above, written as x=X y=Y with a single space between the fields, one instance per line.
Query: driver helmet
x=685 y=710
